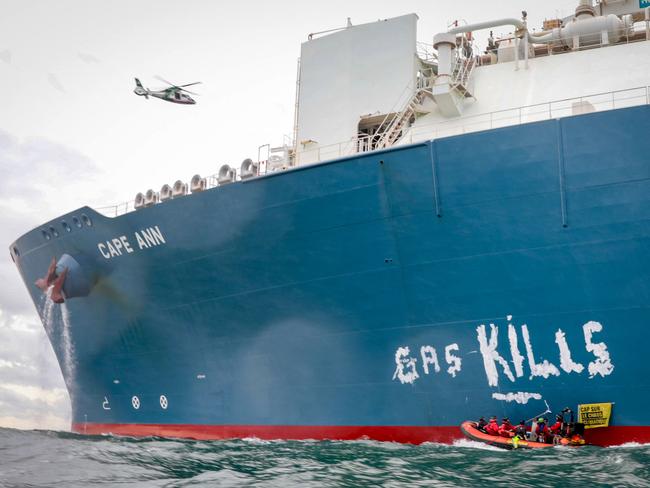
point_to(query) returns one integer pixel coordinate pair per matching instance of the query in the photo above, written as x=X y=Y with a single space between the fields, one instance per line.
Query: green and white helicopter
x=174 y=94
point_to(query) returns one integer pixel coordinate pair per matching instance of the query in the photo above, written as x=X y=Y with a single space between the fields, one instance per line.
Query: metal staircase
x=402 y=120
x=461 y=75
x=460 y=83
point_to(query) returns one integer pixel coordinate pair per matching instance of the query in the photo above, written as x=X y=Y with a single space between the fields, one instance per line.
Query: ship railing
x=116 y=210
x=597 y=102
x=532 y=113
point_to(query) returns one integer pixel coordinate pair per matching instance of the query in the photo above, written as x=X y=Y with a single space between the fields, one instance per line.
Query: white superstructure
x=366 y=87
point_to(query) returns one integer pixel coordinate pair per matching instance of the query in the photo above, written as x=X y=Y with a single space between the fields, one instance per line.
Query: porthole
x=46 y=235
x=54 y=232
x=76 y=222
x=16 y=253
x=66 y=226
x=86 y=220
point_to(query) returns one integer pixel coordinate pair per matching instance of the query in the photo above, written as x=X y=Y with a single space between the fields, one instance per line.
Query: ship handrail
x=522 y=114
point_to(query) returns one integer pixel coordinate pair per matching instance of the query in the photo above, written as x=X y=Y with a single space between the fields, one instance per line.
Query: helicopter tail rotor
x=140 y=90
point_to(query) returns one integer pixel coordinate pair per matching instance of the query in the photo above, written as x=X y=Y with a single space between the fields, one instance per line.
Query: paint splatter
x=520 y=397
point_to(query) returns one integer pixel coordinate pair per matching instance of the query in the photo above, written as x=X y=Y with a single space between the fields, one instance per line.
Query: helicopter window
x=177 y=95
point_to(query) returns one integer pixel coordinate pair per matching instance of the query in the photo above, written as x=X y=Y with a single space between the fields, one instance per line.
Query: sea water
x=46 y=458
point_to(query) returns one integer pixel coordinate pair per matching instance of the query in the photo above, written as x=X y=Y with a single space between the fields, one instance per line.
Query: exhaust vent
x=226 y=175
x=165 y=193
x=248 y=169
x=150 y=198
x=179 y=189
x=138 y=203
x=197 y=184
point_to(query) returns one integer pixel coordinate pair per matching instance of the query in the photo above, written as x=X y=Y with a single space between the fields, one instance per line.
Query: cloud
x=40 y=179
x=36 y=163
x=32 y=392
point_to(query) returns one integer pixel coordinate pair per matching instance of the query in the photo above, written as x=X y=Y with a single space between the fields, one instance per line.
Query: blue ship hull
x=392 y=295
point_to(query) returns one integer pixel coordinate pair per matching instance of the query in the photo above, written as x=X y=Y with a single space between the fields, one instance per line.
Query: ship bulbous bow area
x=67 y=279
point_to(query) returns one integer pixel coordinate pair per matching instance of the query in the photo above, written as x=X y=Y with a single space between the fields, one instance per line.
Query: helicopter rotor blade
x=189 y=84
x=164 y=80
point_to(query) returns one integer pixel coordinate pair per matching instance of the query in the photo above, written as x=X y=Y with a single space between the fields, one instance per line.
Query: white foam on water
x=255 y=440
x=628 y=445
x=476 y=445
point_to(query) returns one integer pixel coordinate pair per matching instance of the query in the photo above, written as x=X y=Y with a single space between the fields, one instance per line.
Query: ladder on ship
x=460 y=83
x=461 y=75
x=401 y=121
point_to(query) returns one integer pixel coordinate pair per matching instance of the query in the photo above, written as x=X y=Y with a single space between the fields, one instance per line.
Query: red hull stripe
x=406 y=434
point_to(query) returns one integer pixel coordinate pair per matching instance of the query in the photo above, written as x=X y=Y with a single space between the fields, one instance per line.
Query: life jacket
x=492 y=428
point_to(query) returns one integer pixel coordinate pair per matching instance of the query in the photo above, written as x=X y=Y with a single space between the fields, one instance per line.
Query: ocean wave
x=47 y=458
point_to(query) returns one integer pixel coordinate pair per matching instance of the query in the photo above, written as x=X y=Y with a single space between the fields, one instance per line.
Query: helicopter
x=174 y=94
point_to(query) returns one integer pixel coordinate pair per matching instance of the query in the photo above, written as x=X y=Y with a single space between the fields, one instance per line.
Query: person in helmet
x=541 y=431
x=506 y=429
x=492 y=427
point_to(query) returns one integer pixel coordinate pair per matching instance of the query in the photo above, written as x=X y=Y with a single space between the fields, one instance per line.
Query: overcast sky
x=73 y=133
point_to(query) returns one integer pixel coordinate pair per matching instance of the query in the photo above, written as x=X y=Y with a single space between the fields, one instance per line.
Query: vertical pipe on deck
x=516 y=53
x=434 y=174
x=560 y=162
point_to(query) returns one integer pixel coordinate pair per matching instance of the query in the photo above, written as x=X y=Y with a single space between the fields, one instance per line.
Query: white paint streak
x=68 y=348
x=46 y=310
x=50 y=318
x=566 y=363
x=491 y=355
x=402 y=362
x=543 y=369
x=602 y=365
x=517 y=358
x=520 y=397
x=454 y=361
x=429 y=356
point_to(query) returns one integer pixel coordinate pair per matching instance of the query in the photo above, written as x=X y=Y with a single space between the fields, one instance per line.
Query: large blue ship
x=391 y=290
